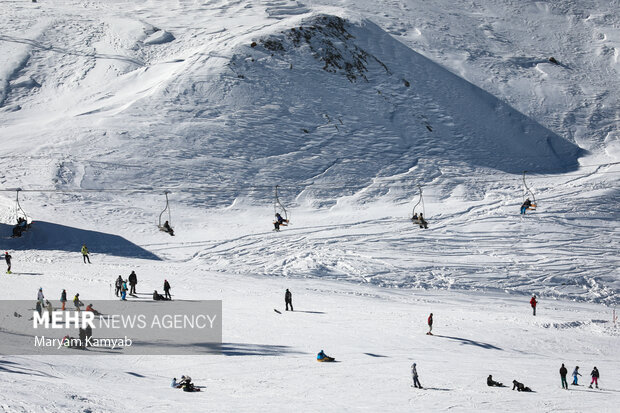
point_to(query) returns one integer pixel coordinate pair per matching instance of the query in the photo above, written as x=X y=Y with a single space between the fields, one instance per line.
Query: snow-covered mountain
x=352 y=108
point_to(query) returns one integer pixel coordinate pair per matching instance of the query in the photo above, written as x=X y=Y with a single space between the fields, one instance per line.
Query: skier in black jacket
x=118 y=285
x=133 y=280
x=7 y=258
x=288 y=299
x=167 y=295
x=563 y=373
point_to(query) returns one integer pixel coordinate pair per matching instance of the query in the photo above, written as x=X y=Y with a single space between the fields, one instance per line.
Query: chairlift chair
x=419 y=210
x=527 y=193
x=162 y=227
x=278 y=208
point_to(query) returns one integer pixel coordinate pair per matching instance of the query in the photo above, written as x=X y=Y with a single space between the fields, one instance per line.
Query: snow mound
x=159 y=37
x=312 y=100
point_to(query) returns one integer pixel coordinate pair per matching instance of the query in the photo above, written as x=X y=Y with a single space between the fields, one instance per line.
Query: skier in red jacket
x=533 y=303
x=430 y=325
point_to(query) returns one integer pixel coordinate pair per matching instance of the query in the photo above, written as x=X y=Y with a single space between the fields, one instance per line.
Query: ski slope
x=348 y=106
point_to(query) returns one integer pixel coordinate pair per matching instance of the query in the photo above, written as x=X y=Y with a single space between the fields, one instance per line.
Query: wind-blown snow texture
x=348 y=106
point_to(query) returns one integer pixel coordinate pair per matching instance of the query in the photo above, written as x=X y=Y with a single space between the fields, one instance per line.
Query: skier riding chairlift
x=166 y=227
x=277 y=208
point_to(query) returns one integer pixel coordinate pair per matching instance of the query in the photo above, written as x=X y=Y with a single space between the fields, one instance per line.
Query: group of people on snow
x=43 y=303
x=121 y=288
x=185 y=383
x=564 y=372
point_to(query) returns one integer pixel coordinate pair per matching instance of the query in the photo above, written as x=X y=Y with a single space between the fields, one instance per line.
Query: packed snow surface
x=352 y=108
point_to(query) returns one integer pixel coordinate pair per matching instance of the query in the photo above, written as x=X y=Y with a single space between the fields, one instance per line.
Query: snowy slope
x=349 y=106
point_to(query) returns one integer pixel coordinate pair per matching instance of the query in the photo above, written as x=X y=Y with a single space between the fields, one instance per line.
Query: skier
x=491 y=382
x=168 y=228
x=85 y=254
x=533 y=303
x=288 y=299
x=422 y=222
x=133 y=280
x=63 y=299
x=525 y=206
x=124 y=290
x=519 y=386
x=7 y=258
x=323 y=357
x=50 y=309
x=414 y=374
x=174 y=384
x=430 y=325
x=117 y=285
x=595 y=376
x=40 y=296
x=279 y=221
x=563 y=373
x=575 y=374
x=167 y=295
x=76 y=302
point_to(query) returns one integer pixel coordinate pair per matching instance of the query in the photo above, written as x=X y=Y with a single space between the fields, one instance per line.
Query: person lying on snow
x=323 y=357
x=519 y=386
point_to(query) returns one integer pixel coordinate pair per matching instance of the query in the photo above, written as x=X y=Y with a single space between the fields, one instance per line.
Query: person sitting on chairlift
x=279 y=221
x=168 y=228
x=22 y=225
x=526 y=205
x=422 y=222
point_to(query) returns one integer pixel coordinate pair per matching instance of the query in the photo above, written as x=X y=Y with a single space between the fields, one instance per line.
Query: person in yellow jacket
x=85 y=254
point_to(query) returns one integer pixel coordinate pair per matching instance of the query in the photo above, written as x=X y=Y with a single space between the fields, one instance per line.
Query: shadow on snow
x=50 y=236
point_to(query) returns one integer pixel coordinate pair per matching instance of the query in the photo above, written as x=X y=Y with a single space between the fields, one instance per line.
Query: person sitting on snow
x=323 y=357
x=90 y=308
x=491 y=382
x=159 y=297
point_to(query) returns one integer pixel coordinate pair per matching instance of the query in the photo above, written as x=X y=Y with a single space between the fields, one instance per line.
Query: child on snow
x=595 y=376
x=575 y=374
